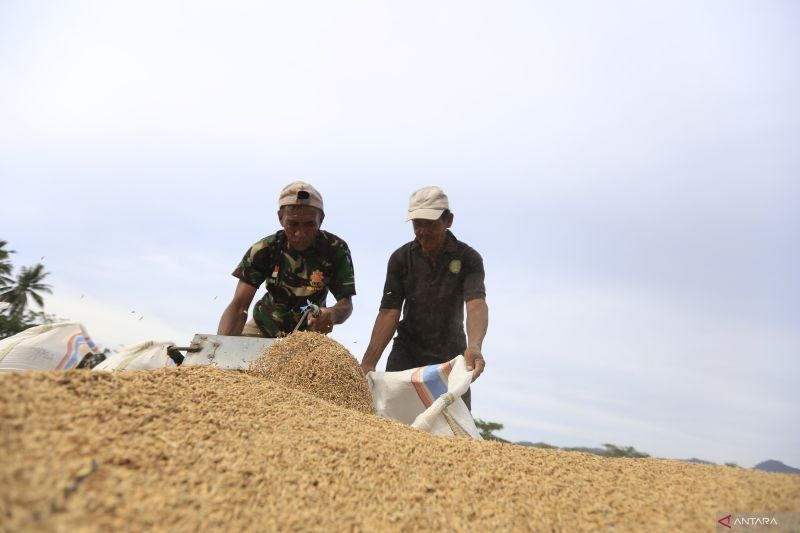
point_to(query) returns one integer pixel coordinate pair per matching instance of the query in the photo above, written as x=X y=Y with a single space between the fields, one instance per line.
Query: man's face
x=301 y=224
x=431 y=233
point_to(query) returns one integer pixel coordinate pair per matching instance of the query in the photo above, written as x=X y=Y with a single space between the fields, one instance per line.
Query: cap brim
x=427 y=214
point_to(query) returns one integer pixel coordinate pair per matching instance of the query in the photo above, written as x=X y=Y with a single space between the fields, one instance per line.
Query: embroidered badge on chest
x=455 y=266
x=317 y=278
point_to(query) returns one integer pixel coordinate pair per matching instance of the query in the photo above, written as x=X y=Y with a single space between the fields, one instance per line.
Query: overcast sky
x=628 y=171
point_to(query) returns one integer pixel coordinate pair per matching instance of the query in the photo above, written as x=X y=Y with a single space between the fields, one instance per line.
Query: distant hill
x=701 y=461
x=536 y=444
x=611 y=450
x=776 y=466
x=596 y=451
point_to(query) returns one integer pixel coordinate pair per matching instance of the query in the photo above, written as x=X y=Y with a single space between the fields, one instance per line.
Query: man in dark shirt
x=299 y=264
x=430 y=279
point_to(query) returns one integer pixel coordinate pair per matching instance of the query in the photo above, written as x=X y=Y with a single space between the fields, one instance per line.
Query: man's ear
x=280 y=216
x=321 y=218
x=450 y=221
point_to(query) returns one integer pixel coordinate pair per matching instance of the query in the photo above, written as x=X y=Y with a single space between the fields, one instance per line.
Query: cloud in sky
x=628 y=173
x=596 y=361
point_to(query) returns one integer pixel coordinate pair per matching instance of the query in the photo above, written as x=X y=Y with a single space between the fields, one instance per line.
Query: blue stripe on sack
x=433 y=381
x=73 y=358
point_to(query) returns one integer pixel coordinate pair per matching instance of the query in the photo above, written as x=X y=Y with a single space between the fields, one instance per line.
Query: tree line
x=487 y=430
x=16 y=293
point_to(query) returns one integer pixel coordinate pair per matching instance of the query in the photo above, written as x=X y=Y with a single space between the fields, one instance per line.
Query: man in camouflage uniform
x=299 y=264
x=431 y=279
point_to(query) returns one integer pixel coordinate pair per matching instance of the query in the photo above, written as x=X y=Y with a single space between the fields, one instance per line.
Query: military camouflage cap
x=300 y=193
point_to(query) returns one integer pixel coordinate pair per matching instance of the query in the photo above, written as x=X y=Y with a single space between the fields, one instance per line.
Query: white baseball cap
x=428 y=203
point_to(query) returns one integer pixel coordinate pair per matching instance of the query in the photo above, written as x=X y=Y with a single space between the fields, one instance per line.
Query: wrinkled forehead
x=300 y=213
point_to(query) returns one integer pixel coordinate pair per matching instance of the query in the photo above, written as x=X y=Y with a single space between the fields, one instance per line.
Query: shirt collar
x=450 y=243
x=319 y=242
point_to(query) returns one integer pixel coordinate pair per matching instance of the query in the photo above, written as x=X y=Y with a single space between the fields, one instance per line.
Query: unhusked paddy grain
x=199 y=449
x=313 y=363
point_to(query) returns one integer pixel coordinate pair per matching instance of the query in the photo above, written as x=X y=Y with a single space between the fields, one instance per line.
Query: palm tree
x=5 y=265
x=28 y=284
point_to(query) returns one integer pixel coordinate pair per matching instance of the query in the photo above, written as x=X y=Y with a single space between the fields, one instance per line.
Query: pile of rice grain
x=199 y=448
x=313 y=363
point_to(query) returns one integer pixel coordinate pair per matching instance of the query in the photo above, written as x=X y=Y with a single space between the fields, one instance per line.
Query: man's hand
x=366 y=368
x=474 y=360
x=324 y=322
x=477 y=322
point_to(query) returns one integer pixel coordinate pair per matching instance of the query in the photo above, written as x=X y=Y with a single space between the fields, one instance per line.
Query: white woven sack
x=427 y=398
x=48 y=347
x=143 y=356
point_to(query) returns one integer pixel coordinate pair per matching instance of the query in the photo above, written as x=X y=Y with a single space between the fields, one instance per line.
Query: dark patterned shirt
x=293 y=278
x=432 y=298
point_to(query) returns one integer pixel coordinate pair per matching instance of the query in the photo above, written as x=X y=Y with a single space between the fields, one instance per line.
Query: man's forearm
x=232 y=321
x=235 y=315
x=342 y=310
x=382 y=333
x=477 y=322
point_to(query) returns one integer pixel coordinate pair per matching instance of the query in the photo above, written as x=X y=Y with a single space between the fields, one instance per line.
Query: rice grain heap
x=205 y=449
x=315 y=364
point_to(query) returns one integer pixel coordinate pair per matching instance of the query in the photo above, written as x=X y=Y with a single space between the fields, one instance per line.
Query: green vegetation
x=5 y=265
x=487 y=429
x=608 y=450
x=613 y=450
x=28 y=285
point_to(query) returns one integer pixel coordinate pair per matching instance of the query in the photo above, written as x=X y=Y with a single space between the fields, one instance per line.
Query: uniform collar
x=319 y=242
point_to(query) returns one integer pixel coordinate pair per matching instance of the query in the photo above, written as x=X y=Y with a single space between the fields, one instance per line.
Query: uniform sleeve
x=473 y=276
x=251 y=267
x=393 y=289
x=344 y=278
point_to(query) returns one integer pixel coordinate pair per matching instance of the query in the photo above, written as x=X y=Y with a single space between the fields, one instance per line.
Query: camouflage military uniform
x=294 y=277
